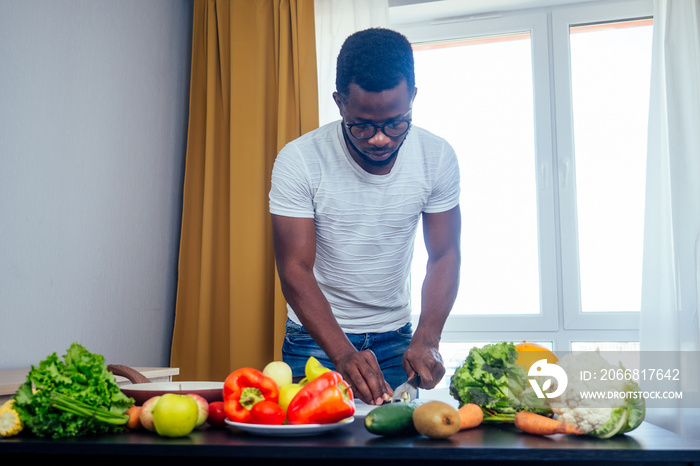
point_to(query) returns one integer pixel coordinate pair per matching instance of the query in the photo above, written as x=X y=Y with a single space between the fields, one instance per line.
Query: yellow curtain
x=253 y=88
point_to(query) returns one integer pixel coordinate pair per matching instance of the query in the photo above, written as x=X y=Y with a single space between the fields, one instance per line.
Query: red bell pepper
x=243 y=388
x=324 y=400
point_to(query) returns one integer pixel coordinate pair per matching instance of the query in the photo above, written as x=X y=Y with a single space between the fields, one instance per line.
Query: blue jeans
x=388 y=347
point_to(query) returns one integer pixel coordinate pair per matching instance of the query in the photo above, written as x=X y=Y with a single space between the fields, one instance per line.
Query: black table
x=352 y=444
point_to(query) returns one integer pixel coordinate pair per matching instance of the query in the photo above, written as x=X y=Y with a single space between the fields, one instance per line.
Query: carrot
x=533 y=423
x=470 y=415
x=134 y=423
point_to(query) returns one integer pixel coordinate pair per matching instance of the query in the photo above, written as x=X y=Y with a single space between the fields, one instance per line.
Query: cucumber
x=392 y=419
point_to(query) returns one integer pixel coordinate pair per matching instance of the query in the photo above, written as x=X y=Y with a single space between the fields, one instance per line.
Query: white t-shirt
x=365 y=224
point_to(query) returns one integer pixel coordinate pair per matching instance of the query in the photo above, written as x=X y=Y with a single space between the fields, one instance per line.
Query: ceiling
x=408 y=11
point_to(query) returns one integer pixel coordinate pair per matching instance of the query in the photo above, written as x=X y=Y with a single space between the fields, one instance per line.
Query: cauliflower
x=586 y=419
x=595 y=416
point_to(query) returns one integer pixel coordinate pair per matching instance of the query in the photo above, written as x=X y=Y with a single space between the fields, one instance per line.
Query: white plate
x=286 y=430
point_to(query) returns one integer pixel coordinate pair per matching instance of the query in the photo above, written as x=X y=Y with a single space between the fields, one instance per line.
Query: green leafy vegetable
x=616 y=423
x=70 y=398
x=490 y=378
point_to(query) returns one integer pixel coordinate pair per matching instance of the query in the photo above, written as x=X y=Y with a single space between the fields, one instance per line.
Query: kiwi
x=436 y=419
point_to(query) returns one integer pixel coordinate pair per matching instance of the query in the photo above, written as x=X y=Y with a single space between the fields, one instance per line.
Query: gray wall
x=93 y=128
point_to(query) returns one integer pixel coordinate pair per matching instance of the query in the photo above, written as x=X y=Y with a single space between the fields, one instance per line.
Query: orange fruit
x=529 y=353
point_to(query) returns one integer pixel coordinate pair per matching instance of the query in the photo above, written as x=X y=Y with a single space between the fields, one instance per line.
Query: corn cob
x=10 y=423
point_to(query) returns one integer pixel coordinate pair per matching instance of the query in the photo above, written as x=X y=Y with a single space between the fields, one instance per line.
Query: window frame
x=561 y=319
x=562 y=20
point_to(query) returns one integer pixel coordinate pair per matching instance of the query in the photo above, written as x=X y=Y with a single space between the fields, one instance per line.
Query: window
x=610 y=117
x=609 y=74
x=487 y=84
x=547 y=110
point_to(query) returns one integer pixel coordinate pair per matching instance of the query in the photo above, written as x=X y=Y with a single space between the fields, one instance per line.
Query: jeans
x=388 y=347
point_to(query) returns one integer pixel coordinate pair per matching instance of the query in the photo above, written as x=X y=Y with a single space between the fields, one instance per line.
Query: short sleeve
x=446 y=190
x=290 y=191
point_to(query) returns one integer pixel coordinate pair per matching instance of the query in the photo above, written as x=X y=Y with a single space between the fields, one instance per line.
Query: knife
x=407 y=391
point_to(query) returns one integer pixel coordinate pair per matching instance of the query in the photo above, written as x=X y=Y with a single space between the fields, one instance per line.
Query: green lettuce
x=490 y=378
x=70 y=398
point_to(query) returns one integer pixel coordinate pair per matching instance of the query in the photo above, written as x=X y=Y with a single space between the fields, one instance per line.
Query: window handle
x=565 y=174
x=544 y=176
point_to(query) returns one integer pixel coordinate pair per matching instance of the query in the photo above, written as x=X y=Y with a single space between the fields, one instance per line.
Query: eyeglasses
x=393 y=129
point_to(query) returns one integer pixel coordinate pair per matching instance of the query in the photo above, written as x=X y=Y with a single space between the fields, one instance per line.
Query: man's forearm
x=438 y=296
x=311 y=306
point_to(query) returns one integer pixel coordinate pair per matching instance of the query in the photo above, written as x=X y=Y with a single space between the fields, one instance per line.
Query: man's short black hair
x=375 y=59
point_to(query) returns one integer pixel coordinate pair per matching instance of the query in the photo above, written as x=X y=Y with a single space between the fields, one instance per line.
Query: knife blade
x=407 y=391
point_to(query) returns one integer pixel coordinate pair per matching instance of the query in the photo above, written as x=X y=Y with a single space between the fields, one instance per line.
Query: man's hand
x=424 y=359
x=361 y=370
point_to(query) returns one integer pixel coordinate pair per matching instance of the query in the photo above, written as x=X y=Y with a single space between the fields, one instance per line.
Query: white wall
x=93 y=128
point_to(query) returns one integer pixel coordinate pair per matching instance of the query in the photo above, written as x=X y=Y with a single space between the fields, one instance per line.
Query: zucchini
x=392 y=419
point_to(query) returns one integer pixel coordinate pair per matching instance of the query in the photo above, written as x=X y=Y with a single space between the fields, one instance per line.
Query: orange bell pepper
x=324 y=400
x=245 y=387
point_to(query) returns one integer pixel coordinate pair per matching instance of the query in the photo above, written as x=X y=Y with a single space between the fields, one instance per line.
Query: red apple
x=146 y=416
x=203 y=408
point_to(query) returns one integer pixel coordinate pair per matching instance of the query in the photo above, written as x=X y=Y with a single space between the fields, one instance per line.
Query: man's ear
x=415 y=91
x=337 y=99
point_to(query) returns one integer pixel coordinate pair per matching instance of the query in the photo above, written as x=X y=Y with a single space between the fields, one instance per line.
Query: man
x=345 y=201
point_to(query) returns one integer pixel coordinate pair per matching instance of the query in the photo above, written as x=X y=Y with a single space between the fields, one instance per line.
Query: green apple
x=175 y=415
x=287 y=393
x=279 y=371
